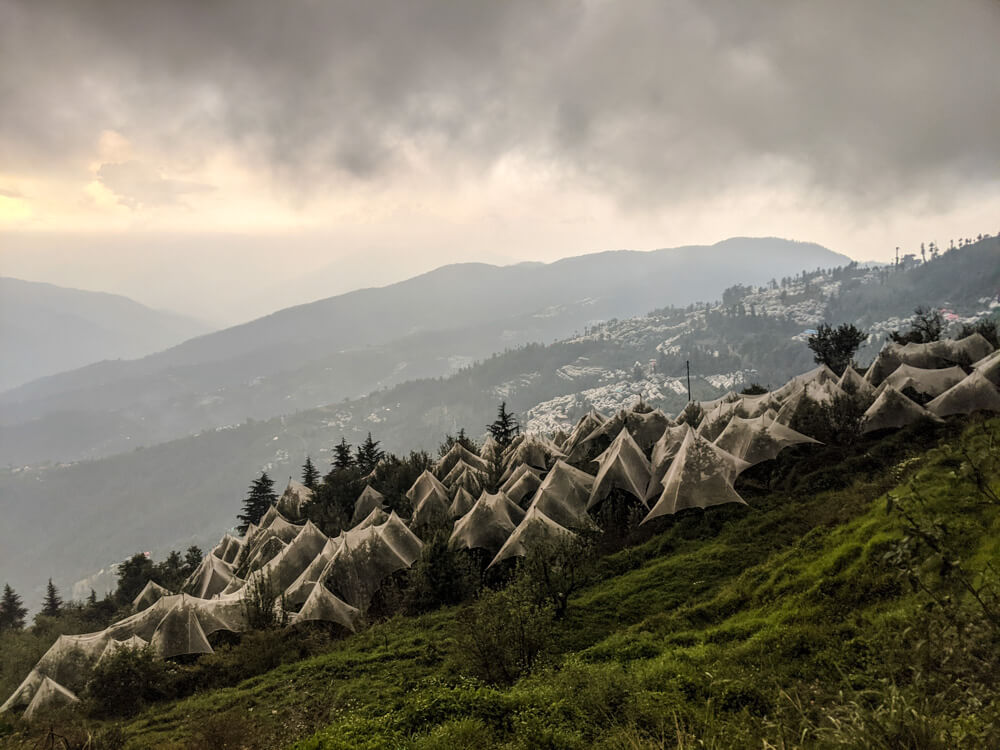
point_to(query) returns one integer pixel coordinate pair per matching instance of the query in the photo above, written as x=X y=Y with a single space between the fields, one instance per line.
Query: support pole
x=687 y=363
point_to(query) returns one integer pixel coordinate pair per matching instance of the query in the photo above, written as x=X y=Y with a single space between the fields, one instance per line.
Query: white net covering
x=701 y=475
x=759 y=439
x=488 y=524
x=369 y=499
x=892 y=410
x=563 y=497
x=430 y=500
x=535 y=528
x=973 y=393
x=622 y=466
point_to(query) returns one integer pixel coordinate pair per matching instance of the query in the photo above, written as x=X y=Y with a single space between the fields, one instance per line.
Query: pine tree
x=92 y=599
x=342 y=458
x=259 y=498
x=369 y=455
x=505 y=428
x=12 y=613
x=52 y=606
x=310 y=476
x=192 y=559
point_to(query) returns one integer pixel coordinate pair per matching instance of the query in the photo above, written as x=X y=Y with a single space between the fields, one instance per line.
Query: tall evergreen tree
x=259 y=498
x=12 y=612
x=342 y=458
x=52 y=605
x=192 y=559
x=505 y=428
x=310 y=476
x=369 y=455
x=92 y=599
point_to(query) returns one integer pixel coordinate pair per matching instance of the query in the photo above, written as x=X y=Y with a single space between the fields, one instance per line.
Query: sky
x=228 y=158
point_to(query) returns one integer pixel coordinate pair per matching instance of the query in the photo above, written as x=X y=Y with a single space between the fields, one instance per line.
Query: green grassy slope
x=783 y=624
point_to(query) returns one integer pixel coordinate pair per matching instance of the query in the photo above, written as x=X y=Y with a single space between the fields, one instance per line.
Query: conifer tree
x=368 y=455
x=192 y=559
x=310 y=476
x=92 y=599
x=52 y=605
x=12 y=612
x=505 y=428
x=342 y=458
x=259 y=498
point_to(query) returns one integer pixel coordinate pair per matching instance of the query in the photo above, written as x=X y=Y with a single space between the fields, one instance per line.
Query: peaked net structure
x=852 y=382
x=586 y=425
x=367 y=556
x=622 y=466
x=522 y=484
x=369 y=499
x=461 y=504
x=564 y=495
x=294 y=500
x=150 y=593
x=701 y=475
x=929 y=382
x=892 y=410
x=430 y=500
x=458 y=453
x=535 y=529
x=321 y=605
x=759 y=439
x=974 y=393
x=488 y=524
x=664 y=451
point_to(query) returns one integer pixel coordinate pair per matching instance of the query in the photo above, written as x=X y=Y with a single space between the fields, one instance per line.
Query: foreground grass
x=783 y=624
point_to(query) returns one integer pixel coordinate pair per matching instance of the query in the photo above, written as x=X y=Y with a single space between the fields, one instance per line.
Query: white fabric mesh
x=930 y=382
x=535 y=528
x=563 y=497
x=322 y=605
x=488 y=524
x=622 y=466
x=892 y=410
x=461 y=504
x=760 y=439
x=430 y=500
x=974 y=393
x=369 y=499
x=701 y=475
x=458 y=453
x=149 y=594
x=293 y=501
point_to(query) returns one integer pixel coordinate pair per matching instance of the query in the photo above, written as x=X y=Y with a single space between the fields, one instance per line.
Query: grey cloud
x=649 y=100
x=136 y=184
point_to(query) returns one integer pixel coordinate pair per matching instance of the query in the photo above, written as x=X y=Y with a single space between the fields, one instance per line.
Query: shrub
x=503 y=633
x=264 y=604
x=125 y=681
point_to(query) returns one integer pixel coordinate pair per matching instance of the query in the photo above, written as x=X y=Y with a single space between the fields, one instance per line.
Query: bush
x=503 y=633
x=125 y=681
x=264 y=604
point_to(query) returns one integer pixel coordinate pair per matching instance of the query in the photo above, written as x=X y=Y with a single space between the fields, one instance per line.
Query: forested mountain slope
x=352 y=344
x=47 y=329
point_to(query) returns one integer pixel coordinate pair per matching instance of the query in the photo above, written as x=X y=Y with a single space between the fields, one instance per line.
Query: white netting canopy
x=366 y=557
x=563 y=497
x=622 y=466
x=758 y=439
x=293 y=501
x=922 y=380
x=701 y=475
x=535 y=528
x=430 y=500
x=210 y=578
x=228 y=549
x=522 y=484
x=461 y=504
x=892 y=410
x=852 y=382
x=534 y=450
x=458 y=453
x=663 y=454
x=322 y=605
x=369 y=499
x=973 y=393
x=488 y=524
x=149 y=594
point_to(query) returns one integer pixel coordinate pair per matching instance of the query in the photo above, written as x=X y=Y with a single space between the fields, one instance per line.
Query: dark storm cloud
x=650 y=100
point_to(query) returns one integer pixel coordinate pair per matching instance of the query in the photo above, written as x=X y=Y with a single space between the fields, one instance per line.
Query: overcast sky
x=226 y=158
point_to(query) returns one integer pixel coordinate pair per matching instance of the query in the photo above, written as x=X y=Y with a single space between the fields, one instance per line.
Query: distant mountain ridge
x=46 y=329
x=346 y=346
x=187 y=490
